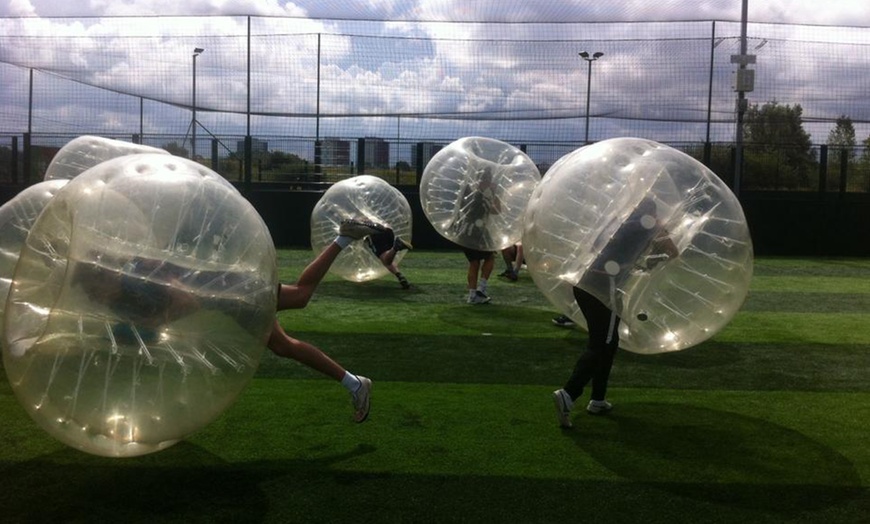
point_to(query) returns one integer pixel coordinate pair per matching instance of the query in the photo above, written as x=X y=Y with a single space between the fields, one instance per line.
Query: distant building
x=429 y=149
x=257 y=146
x=377 y=152
x=334 y=152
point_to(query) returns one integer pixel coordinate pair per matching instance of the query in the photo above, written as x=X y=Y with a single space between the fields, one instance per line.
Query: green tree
x=278 y=165
x=865 y=152
x=861 y=179
x=779 y=151
x=842 y=136
x=841 y=141
x=175 y=149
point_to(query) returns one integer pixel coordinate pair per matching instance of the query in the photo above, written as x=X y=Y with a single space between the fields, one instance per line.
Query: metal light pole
x=196 y=53
x=589 y=59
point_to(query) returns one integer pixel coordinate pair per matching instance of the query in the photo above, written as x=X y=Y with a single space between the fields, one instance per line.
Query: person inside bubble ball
x=147 y=294
x=386 y=245
x=475 y=205
x=640 y=242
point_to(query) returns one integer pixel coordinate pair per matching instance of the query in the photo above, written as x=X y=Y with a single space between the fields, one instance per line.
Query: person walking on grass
x=640 y=233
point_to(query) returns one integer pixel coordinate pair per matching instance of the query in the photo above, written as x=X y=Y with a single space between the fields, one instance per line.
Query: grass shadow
x=710 y=354
x=719 y=457
x=184 y=483
x=496 y=318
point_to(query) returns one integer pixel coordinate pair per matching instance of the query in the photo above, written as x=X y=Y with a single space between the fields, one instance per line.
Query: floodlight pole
x=196 y=53
x=589 y=59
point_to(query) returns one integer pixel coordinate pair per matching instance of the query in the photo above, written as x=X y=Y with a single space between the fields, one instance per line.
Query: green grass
x=769 y=421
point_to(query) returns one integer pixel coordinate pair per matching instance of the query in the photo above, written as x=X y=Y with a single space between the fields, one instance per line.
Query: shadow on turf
x=709 y=354
x=183 y=483
x=499 y=319
x=385 y=289
x=186 y=483
x=718 y=457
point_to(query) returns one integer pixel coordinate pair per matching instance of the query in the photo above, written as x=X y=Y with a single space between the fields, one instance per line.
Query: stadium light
x=589 y=59
x=196 y=52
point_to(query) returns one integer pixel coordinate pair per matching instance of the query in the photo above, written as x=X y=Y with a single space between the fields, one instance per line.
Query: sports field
x=769 y=421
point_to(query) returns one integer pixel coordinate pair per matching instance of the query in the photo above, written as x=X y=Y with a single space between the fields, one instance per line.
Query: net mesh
x=282 y=79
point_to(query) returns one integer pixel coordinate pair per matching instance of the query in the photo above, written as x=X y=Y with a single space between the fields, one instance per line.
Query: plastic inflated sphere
x=598 y=220
x=140 y=306
x=475 y=191
x=16 y=218
x=360 y=197
x=86 y=151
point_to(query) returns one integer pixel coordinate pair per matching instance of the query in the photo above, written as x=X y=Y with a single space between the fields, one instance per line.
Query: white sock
x=471 y=293
x=343 y=241
x=482 y=285
x=350 y=382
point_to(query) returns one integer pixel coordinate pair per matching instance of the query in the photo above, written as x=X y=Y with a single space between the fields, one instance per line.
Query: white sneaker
x=479 y=297
x=564 y=405
x=362 y=399
x=599 y=407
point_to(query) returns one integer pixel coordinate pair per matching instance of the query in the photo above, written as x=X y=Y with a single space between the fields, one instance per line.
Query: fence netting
x=282 y=79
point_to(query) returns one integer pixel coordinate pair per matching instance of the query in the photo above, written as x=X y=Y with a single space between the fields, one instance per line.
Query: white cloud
x=434 y=66
x=833 y=12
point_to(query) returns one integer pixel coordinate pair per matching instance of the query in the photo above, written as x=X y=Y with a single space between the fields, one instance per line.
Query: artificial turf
x=766 y=422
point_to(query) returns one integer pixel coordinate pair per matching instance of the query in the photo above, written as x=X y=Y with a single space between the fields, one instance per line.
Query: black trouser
x=595 y=362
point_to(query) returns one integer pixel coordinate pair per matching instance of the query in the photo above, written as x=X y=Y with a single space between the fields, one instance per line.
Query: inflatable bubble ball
x=475 y=190
x=140 y=306
x=87 y=151
x=16 y=218
x=362 y=197
x=650 y=231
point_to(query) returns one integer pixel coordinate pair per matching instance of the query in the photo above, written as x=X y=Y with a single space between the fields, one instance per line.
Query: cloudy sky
x=393 y=59
x=831 y=12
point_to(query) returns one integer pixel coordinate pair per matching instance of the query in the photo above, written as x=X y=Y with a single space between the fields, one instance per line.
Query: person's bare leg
x=518 y=262
x=286 y=346
x=507 y=254
x=297 y=295
x=473 y=270
x=486 y=269
x=387 y=257
x=359 y=387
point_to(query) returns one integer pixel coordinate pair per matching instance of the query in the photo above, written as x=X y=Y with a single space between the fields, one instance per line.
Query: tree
x=862 y=173
x=174 y=149
x=842 y=136
x=779 y=149
x=841 y=150
x=865 y=152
